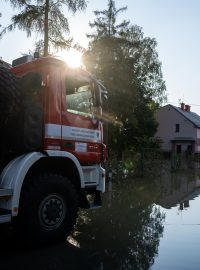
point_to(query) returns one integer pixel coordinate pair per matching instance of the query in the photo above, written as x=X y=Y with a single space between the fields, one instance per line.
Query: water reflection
x=126 y=233
x=132 y=220
x=178 y=188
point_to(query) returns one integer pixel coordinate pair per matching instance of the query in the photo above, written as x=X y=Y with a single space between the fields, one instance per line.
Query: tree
x=45 y=17
x=106 y=25
x=128 y=64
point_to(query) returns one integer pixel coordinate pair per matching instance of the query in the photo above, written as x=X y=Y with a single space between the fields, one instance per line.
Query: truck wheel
x=48 y=209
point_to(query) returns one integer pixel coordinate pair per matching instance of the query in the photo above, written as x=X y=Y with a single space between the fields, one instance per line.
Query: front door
x=178 y=149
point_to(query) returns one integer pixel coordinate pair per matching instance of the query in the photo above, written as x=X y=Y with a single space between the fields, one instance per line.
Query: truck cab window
x=79 y=97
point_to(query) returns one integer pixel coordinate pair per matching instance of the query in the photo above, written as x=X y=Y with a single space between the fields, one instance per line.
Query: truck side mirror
x=98 y=100
x=102 y=90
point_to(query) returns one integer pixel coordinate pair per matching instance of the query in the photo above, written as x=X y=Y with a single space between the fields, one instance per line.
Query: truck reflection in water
x=124 y=234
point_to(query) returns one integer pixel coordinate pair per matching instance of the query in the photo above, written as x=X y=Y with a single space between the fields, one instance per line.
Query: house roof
x=183 y=139
x=191 y=116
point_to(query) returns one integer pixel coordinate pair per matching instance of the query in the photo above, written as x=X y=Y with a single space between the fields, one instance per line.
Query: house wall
x=198 y=133
x=198 y=140
x=167 y=118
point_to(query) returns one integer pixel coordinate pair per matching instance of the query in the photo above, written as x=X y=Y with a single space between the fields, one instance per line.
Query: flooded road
x=145 y=223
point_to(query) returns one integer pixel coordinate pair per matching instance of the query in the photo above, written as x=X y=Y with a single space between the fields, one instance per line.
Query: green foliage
x=106 y=25
x=47 y=19
x=127 y=63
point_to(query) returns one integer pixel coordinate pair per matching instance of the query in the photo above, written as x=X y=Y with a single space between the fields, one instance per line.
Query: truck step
x=5 y=215
x=97 y=203
x=5 y=192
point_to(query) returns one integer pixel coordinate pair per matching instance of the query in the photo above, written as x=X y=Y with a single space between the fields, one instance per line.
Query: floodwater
x=145 y=223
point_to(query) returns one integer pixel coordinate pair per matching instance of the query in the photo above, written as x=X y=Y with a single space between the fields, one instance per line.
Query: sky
x=175 y=24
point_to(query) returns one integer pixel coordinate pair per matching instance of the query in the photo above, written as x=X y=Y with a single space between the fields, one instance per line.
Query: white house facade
x=178 y=129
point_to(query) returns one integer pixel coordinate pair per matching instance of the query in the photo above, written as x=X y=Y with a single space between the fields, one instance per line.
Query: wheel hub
x=52 y=211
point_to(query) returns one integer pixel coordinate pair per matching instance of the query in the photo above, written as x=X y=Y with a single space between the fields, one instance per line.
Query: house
x=178 y=129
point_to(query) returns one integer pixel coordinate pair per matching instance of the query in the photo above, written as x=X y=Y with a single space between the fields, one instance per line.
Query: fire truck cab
x=42 y=188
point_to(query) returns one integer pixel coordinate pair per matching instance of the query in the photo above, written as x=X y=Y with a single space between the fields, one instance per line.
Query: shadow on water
x=123 y=234
x=64 y=255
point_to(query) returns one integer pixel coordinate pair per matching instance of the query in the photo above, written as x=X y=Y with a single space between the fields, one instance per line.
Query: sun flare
x=72 y=57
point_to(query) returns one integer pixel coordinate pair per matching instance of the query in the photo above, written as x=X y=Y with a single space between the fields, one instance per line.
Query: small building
x=178 y=129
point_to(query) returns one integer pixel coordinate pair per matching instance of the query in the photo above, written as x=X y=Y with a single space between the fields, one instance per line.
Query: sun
x=72 y=57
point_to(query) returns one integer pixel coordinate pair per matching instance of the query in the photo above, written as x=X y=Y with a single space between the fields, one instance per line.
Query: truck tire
x=9 y=95
x=48 y=209
x=10 y=106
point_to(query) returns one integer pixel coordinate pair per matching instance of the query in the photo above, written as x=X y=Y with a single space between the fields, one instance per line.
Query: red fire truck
x=51 y=146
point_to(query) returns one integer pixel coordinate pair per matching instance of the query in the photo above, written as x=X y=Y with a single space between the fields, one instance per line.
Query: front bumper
x=94 y=177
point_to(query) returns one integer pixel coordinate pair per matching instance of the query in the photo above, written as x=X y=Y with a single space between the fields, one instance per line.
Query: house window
x=177 y=129
x=178 y=149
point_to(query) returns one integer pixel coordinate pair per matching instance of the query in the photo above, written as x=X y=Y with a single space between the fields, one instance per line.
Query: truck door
x=81 y=132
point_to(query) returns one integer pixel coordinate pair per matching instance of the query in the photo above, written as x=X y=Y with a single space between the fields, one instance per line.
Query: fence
x=155 y=160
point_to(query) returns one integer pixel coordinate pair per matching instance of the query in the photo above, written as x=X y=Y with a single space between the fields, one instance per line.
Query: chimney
x=183 y=106
x=187 y=108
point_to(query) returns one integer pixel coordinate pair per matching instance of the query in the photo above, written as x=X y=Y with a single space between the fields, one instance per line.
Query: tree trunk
x=46 y=29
